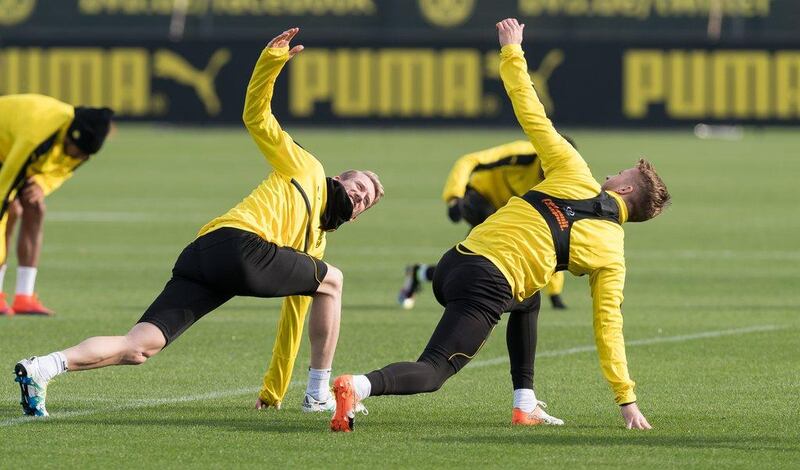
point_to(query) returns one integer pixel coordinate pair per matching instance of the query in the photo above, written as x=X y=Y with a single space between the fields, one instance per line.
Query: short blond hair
x=652 y=197
x=376 y=183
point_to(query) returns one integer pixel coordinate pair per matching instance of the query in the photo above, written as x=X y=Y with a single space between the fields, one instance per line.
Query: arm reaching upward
x=276 y=145
x=554 y=151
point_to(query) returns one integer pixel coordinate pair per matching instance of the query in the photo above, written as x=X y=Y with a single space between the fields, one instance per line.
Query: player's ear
x=624 y=190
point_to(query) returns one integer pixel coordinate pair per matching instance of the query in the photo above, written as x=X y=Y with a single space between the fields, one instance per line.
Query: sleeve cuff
x=626 y=398
x=277 y=52
x=511 y=49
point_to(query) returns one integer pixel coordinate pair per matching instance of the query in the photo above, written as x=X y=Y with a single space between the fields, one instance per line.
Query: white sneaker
x=546 y=418
x=312 y=405
x=33 y=388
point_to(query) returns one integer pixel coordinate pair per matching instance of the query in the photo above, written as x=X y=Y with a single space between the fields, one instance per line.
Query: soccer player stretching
x=269 y=245
x=42 y=142
x=478 y=184
x=568 y=222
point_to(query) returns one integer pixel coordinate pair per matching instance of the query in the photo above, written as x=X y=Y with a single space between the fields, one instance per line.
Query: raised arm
x=277 y=146
x=462 y=169
x=554 y=151
x=284 y=351
x=607 y=285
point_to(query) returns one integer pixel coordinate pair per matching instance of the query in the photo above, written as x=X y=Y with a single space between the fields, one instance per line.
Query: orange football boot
x=30 y=305
x=346 y=400
x=4 y=308
x=536 y=417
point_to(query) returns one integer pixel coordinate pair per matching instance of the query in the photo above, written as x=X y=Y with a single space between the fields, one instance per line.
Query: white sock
x=319 y=384
x=26 y=279
x=2 y=275
x=362 y=385
x=421 y=271
x=52 y=365
x=525 y=399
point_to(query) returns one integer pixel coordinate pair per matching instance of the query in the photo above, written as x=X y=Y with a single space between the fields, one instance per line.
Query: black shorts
x=462 y=275
x=225 y=263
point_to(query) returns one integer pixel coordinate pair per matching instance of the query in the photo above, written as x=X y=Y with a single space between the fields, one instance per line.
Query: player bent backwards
x=568 y=221
x=478 y=184
x=269 y=245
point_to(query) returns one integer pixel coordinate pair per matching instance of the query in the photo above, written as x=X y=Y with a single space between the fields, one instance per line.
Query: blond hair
x=652 y=197
x=376 y=183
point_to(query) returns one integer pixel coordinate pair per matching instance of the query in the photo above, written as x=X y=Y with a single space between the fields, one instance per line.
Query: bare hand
x=510 y=31
x=283 y=40
x=262 y=405
x=32 y=193
x=634 y=419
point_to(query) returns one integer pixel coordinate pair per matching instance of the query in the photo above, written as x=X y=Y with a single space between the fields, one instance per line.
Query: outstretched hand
x=510 y=31
x=634 y=419
x=283 y=40
x=262 y=405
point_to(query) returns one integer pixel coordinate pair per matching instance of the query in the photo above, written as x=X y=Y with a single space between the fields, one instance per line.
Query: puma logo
x=542 y=75
x=168 y=64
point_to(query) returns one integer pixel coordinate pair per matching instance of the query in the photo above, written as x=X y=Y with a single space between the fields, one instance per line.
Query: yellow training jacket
x=518 y=241
x=32 y=130
x=276 y=210
x=497 y=173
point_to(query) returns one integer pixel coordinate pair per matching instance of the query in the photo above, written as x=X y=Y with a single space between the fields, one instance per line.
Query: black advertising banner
x=595 y=84
x=400 y=20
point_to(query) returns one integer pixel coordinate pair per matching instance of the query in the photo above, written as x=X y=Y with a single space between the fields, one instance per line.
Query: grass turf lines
x=711 y=315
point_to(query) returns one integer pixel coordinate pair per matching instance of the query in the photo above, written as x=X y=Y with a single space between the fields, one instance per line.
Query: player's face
x=622 y=182
x=73 y=151
x=360 y=190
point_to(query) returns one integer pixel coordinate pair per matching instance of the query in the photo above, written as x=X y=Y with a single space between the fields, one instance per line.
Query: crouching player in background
x=568 y=221
x=42 y=142
x=478 y=184
x=269 y=245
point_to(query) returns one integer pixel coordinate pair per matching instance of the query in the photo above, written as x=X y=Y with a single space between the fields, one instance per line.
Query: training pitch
x=712 y=315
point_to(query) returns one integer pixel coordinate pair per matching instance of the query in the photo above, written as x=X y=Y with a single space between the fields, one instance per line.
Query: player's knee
x=15 y=209
x=138 y=353
x=333 y=282
x=437 y=375
x=35 y=209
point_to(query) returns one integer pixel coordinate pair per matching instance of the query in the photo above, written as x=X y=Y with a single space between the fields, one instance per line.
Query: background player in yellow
x=268 y=245
x=568 y=221
x=42 y=141
x=478 y=184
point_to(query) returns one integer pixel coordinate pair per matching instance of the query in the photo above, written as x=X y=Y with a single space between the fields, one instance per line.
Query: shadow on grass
x=652 y=439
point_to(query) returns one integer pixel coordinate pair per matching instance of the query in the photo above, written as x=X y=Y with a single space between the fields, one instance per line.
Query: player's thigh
x=279 y=272
x=182 y=303
x=461 y=332
x=530 y=305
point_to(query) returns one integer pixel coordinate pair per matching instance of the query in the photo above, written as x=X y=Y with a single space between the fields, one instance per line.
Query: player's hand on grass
x=634 y=419
x=510 y=31
x=263 y=405
x=454 y=209
x=283 y=40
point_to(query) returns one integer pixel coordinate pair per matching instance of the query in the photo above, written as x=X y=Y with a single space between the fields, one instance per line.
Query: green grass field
x=712 y=316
